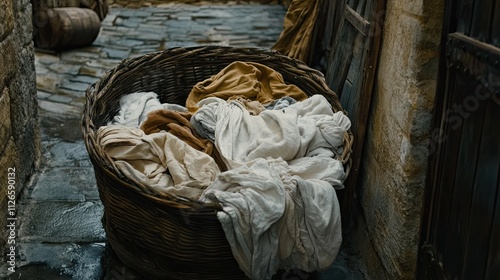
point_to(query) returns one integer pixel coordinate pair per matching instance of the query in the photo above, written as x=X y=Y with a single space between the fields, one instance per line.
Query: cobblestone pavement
x=62 y=237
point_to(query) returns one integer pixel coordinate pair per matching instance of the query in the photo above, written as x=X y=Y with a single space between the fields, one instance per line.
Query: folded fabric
x=306 y=128
x=159 y=162
x=135 y=107
x=177 y=123
x=252 y=80
x=277 y=215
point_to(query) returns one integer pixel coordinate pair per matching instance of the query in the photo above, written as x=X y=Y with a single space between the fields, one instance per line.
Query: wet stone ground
x=60 y=234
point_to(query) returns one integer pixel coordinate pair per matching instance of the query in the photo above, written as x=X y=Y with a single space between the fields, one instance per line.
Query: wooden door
x=347 y=38
x=461 y=226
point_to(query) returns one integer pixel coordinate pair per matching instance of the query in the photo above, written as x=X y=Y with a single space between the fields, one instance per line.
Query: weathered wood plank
x=369 y=58
x=484 y=197
x=464 y=178
x=493 y=264
x=448 y=164
x=342 y=55
x=495 y=26
x=361 y=24
x=463 y=15
x=360 y=8
x=481 y=20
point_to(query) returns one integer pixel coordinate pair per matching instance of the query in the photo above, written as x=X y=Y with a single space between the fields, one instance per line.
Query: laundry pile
x=260 y=148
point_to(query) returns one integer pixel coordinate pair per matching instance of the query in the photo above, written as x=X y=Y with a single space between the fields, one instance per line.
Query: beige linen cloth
x=177 y=123
x=159 y=162
x=298 y=27
x=249 y=80
x=280 y=215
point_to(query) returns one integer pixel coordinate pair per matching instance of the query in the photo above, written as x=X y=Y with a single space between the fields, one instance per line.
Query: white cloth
x=306 y=128
x=159 y=162
x=279 y=215
x=134 y=108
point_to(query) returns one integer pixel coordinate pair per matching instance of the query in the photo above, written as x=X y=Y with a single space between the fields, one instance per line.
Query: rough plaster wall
x=394 y=163
x=19 y=134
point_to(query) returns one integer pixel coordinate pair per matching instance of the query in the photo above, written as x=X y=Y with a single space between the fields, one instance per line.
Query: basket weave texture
x=168 y=237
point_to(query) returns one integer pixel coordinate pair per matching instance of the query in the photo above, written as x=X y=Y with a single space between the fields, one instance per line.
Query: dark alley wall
x=19 y=134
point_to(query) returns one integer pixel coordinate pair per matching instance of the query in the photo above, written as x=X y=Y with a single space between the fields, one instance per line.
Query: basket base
x=115 y=269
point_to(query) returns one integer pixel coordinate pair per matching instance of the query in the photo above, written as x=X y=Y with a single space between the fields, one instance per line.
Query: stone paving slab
x=61 y=123
x=66 y=184
x=58 y=107
x=67 y=154
x=62 y=221
x=68 y=261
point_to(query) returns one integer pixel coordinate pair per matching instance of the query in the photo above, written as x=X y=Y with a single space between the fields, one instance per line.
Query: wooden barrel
x=99 y=6
x=68 y=28
x=60 y=3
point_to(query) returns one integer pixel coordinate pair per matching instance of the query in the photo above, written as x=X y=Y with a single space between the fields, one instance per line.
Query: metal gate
x=461 y=223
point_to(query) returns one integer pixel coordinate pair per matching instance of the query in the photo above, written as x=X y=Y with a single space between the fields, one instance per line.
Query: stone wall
x=19 y=134
x=394 y=163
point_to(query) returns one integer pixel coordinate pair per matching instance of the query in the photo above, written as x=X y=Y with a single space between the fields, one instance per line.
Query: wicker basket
x=166 y=237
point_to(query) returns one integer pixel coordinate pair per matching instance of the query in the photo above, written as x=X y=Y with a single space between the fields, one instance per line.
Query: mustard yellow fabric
x=298 y=28
x=250 y=80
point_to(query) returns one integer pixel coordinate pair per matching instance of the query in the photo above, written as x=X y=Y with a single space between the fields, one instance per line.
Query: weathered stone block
x=66 y=184
x=6 y=18
x=24 y=24
x=28 y=145
x=417 y=45
x=19 y=140
x=58 y=222
x=80 y=261
x=394 y=164
x=5 y=126
x=8 y=159
x=23 y=93
x=8 y=62
x=391 y=231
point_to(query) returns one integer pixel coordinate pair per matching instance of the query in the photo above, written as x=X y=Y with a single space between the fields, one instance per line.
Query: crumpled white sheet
x=160 y=162
x=134 y=108
x=280 y=215
x=304 y=129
